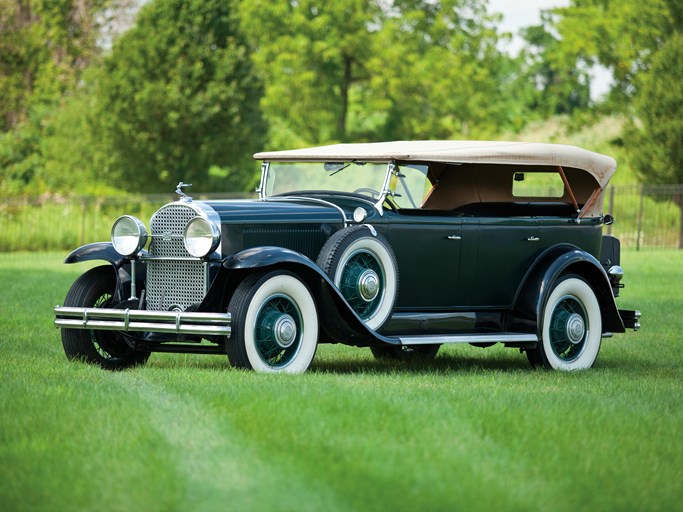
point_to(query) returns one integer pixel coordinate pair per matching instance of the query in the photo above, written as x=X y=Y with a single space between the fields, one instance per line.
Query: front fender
x=339 y=321
x=533 y=294
x=98 y=251
x=104 y=251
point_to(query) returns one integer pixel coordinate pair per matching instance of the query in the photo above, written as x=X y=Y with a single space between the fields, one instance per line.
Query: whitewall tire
x=571 y=327
x=274 y=324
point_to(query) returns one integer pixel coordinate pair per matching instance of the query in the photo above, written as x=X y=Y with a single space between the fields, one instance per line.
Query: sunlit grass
x=477 y=429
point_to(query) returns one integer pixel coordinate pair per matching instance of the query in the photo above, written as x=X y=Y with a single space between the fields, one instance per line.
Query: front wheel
x=274 y=324
x=571 y=327
x=108 y=349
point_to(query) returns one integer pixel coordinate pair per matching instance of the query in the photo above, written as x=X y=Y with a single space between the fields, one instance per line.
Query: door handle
x=454 y=237
x=532 y=239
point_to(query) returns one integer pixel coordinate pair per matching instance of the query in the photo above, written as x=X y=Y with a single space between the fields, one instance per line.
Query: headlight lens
x=201 y=237
x=128 y=235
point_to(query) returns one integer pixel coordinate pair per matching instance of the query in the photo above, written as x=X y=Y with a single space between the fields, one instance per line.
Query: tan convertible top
x=601 y=167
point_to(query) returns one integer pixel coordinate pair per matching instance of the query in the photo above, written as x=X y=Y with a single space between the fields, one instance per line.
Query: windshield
x=408 y=186
x=365 y=179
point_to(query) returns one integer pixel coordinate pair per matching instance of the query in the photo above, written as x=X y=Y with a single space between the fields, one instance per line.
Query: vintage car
x=396 y=246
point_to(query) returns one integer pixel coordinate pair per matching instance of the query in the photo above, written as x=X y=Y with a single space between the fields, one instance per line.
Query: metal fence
x=646 y=217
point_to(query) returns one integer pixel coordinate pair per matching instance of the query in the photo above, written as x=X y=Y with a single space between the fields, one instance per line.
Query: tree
x=555 y=77
x=311 y=55
x=179 y=97
x=622 y=35
x=44 y=47
x=656 y=140
x=373 y=70
x=439 y=73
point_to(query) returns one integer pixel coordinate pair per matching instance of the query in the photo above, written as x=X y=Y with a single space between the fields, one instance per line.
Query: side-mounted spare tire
x=363 y=266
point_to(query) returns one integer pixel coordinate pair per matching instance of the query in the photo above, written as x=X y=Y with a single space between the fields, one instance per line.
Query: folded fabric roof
x=602 y=167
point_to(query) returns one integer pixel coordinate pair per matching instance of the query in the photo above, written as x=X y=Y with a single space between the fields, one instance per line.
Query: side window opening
x=537 y=184
x=411 y=186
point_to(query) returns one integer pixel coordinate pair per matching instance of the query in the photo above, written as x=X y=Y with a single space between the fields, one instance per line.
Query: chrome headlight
x=128 y=235
x=201 y=237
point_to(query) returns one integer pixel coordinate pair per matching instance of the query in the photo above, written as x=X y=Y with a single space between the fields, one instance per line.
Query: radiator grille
x=172 y=284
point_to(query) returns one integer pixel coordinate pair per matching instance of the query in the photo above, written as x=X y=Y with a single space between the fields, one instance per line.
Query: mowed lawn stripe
x=220 y=467
x=364 y=440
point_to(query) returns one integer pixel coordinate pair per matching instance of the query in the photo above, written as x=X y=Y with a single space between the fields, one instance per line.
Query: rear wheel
x=108 y=349
x=571 y=327
x=274 y=324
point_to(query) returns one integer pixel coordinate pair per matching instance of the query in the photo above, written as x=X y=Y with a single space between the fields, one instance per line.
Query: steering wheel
x=367 y=190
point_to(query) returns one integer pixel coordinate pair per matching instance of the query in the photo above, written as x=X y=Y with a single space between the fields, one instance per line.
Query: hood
x=275 y=211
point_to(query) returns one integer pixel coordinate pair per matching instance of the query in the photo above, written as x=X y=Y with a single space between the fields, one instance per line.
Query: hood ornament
x=183 y=195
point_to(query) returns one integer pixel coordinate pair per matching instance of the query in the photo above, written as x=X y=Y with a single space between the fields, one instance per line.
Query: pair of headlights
x=128 y=235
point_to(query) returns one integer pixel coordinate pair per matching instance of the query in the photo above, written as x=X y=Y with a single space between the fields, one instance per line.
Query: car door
x=427 y=249
x=497 y=253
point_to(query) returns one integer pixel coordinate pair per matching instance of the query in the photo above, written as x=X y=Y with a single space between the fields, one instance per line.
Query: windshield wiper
x=335 y=167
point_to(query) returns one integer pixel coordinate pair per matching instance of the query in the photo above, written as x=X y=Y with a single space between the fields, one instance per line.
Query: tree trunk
x=345 y=86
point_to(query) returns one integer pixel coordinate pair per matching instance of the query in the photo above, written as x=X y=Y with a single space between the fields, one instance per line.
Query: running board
x=502 y=337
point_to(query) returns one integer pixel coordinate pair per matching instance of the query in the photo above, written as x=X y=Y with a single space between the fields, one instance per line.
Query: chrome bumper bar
x=176 y=322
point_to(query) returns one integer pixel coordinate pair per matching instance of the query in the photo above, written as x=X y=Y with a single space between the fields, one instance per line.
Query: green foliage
x=183 y=94
x=313 y=59
x=56 y=150
x=357 y=70
x=178 y=96
x=47 y=112
x=657 y=140
x=439 y=72
x=556 y=83
x=622 y=35
x=44 y=46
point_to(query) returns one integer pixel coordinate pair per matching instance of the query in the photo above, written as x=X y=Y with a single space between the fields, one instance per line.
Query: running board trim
x=502 y=337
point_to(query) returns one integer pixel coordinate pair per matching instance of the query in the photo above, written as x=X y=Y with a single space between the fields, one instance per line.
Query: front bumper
x=135 y=320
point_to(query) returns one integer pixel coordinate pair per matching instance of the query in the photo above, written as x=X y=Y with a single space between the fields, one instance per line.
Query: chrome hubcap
x=576 y=328
x=284 y=331
x=368 y=285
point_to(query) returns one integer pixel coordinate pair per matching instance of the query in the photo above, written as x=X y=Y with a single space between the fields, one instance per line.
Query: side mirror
x=607 y=220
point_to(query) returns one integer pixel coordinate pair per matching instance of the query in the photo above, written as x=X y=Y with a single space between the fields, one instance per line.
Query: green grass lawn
x=477 y=429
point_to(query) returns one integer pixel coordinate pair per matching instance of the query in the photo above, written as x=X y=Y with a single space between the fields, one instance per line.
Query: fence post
x=610 y=208
x=84 y=207
x=678 y=199
x=640 y=218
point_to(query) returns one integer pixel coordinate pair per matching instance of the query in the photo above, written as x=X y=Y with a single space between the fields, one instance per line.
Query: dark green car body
x=468 y=284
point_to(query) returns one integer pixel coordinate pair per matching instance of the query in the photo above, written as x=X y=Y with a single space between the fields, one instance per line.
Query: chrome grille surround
x=178 y=280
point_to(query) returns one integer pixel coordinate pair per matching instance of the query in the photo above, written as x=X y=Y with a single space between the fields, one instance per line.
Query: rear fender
x=532 y=296
x=339 y=323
